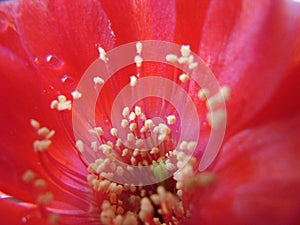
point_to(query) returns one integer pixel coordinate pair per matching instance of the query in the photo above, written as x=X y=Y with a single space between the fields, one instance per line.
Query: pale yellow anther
x=216 y=118
x=147 y=210
x=42 y=145
x=183 y=145
x=107 y=216
x=28 y=176
x=183 y=60
x=113 y=166
x=170 y=166
x=114 y=132
x=154 y=150
x=45 y=199
x=120 y=210
x=43 y=131
x=191 y=146
x=133 y=126
x=124 y=123
x=133 y=160
x=125 y=112
x=34 y=123
x=98 y=80
x=137 y=110
x=120 y=171
x=80 y=146
x=185 y=50
x=54 y=219
x=76 y=94
x=118 y=220
x=171 y=119
x=139 y=47
x=138 y=60
x=130 y=137
x=133 y=81
x=105 y=148
x=184 y=78
x=149 y=123
x=193 y=65
x=129 y=168
x=136 y=152
x=190 y=59
x=54 y=104
x=50 y=134
x=97 y=131
x=142 y=117
x=102 y=54
x=64 y=106
x=143 y=129
x=172 y=58
x=40 y=183
x=203 y=94
x=162 y=137
x=119 y=142
x=125 y=152
x=62 y=98
x=132 y=116
x=225 y=92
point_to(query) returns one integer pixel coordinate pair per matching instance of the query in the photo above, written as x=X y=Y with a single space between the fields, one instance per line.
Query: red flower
x=253 y=48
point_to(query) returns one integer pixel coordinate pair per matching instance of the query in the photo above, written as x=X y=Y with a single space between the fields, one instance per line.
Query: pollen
x=125 y=112
x=42 y=145
x=45 y=199
x=79 y=146
x=184 y=78
x=171 y=119
x=133 y=81
x=102 y=54
x=44 y=131
x=98 y=80
x=40 y=183
x=216 y=118
x=193 y=65
x=203 y=94
x=138 y=60
x=61 y=104
x=76 y=94
x=132 y=116
x=133 y=126
x=34 y=123
x=114 y=132
x=97 y=131
x=28 y=176
x=139 y=47
x=171 y=58
x=137 y=110
x=124 y=123
x=185 y=50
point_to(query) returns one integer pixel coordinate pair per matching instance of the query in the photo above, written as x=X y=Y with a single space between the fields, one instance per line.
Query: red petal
x=66 y=32
x=258 y=178
x=254 y=59
x=140 y=20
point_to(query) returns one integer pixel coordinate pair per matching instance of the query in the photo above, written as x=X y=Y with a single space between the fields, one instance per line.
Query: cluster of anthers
x=171 y=163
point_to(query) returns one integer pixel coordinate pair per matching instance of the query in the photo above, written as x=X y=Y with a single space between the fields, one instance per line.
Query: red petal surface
x=141 y=20
x=254 y=59
x=68 y=31
x=258 y=178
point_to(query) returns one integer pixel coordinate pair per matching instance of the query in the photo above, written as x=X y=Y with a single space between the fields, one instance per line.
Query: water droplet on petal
x=3 y=23
x=54 y=61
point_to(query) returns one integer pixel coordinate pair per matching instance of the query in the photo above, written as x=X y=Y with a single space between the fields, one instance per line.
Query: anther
x=102 y=54
x=98 y=80
x=76 y=94
x=139 y=47
x=79 y=146
x=171 y=58
x=28 y=176
x=34 y=123
x=184 y=78
x=138 y=60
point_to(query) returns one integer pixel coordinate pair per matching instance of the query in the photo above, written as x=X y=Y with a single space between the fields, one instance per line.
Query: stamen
x=80 y=146
x=102 y=54
x=34 y=123
x=138 y=60
x=171 y=58
x=45 y=199
x=139 y=47
x=28 y=176
x=41 y=145
x=184 y=78
x=76 y=94
x=133 y=81
x=185 y=50
x=98 y=80
x=171 y=119
x=203 y=94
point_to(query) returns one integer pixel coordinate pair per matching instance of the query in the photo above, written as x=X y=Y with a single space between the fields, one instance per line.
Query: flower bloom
x=48 y=176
